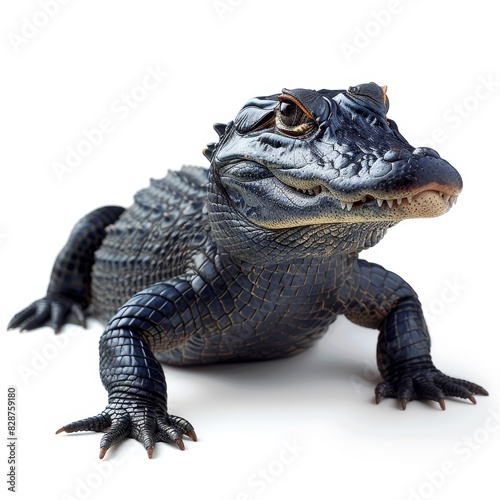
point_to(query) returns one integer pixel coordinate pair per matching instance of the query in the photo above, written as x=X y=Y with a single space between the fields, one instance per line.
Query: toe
x=384 y=390
x=426 y=388
x=117 y=432
x=94 y=424
x=22 y=316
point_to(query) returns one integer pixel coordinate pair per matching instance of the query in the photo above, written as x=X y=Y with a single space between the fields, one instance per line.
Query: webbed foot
x=430 y=384
x=54 y=310
x=143 y=421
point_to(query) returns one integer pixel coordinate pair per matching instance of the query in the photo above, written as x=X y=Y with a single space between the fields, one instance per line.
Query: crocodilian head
x=308 y=172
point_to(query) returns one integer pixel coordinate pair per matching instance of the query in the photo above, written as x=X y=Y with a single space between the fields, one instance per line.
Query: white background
x=65 y=73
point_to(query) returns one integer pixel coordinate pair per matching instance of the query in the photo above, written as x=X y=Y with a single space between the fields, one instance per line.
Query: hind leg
x=68 y=294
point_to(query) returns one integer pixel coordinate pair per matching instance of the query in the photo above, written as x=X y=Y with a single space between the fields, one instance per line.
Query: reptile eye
x=291 y=114
x=292 y=119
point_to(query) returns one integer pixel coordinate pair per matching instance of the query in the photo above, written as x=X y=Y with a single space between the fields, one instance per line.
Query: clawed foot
x=54 y=310
x=430 y=384
x=143 y=423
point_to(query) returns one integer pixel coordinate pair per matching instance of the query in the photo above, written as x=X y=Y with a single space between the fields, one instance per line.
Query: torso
x=270 y=312
x=256 y=313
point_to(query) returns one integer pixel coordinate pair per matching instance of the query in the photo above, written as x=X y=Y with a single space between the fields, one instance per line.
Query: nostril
x=397 y=154
x=426 y=152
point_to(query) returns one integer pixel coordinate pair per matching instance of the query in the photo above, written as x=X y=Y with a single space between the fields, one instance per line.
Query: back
x=153 y=240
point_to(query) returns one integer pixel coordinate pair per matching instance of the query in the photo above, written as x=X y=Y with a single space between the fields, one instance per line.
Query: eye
x=291 y=114
x=292 y=119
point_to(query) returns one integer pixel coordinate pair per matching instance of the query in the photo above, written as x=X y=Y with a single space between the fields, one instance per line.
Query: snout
x=415 y=169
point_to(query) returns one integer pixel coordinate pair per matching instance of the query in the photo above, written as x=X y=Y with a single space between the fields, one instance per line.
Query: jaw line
x=430 y=200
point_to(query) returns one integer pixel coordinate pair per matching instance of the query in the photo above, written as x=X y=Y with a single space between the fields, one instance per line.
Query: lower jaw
x=426 y=204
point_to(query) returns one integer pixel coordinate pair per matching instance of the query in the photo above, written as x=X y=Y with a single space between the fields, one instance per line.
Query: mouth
x=430 y=200
x=445 y=195
x=277 y=199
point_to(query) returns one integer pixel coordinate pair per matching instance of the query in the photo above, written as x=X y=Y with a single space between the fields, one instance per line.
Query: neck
x=262 y=247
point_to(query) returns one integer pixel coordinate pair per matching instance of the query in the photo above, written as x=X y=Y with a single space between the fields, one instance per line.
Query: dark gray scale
x=152 y=241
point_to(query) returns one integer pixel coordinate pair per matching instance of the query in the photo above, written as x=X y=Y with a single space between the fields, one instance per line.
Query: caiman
x=254 y=257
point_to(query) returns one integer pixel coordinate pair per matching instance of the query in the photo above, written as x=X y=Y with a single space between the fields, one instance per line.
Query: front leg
x=381 y=299
x=156 y=319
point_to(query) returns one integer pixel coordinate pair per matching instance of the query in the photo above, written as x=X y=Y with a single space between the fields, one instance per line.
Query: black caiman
x=254 y=257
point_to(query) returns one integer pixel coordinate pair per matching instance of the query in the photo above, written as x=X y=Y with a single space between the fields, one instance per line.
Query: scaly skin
x=255 y=258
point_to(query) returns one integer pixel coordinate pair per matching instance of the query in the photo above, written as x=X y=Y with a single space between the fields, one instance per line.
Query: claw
x=52 y=310
x=125 y=421
x=378 y=398
x=403 y=403
x=192 y=435
x=472 y=398
x=442 y=404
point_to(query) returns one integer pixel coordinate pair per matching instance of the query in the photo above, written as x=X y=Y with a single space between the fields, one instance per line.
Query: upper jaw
x=416 y=184
x=396 y=176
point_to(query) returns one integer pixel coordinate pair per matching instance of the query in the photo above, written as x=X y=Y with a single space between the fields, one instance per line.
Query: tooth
x=390 y=202
x=349 y=206
x=446 y=198
x=453 y=200
x=342 y=205
x=399 y=201
x=409 y=198
x=380 y=202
